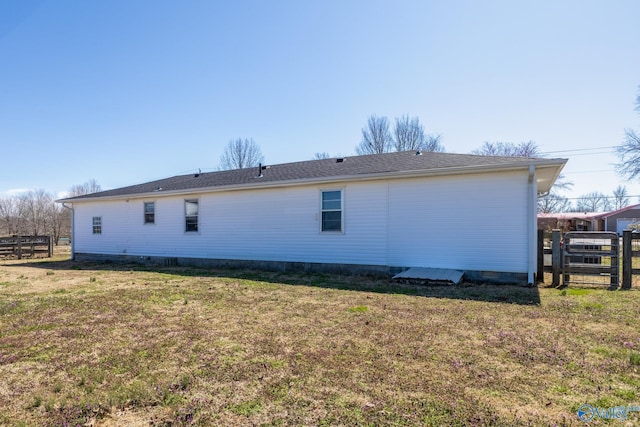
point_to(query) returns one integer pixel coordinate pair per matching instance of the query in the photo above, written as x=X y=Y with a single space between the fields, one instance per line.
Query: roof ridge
x=317 y=170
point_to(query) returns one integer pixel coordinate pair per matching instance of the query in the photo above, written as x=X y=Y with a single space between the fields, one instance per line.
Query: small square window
x=149 y=212
x=97 y=225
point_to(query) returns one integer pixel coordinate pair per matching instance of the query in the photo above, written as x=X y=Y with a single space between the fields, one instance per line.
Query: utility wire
x=587 y=197
x=580 y=149
x=592 y=171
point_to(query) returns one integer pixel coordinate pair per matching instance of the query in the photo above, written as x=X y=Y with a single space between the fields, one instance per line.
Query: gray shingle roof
x=348 y=167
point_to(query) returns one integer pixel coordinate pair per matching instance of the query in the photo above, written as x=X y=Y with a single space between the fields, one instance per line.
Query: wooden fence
x=600 y=256
x=21 y=246
x=630 y=253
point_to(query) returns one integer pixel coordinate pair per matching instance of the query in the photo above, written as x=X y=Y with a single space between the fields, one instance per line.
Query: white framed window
x=149 y=212
x=191 y=215
x=331 y=209
x=97 y=225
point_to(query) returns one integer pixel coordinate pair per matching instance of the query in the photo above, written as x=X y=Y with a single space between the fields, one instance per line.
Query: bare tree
x=432 y=143
x=553 y=202
x=10 y=215
x=593 y=202
x=509 y=149
x=408 y=134
x=629 y=155
x=60 y=222
x=376 y=137
x=241 y=153
x=88 y=187
x=34 y=213
x=321 y=156
x=37 y=205
x=629 y=151
x=620 y=197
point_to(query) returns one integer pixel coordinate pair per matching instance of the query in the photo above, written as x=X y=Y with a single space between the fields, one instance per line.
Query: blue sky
x=125 y=92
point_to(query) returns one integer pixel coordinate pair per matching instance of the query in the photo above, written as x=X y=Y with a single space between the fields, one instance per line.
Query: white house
x=377 y=213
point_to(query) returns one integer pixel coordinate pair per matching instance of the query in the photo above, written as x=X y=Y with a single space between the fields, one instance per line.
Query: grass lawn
x=110 y=345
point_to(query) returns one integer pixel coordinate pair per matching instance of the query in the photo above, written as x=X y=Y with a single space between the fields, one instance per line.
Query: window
x=332 y=210
x=97 y=225
x=191 y=215
x=149 y=212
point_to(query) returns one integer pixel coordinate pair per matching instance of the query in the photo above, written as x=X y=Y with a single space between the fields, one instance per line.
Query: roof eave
x=545 y=184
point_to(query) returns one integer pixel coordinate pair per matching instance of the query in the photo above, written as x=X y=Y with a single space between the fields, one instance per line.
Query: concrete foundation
x=283 y=266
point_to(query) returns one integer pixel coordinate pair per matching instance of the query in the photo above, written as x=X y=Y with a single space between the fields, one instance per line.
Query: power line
x=591 y=171
x=588 y=197
x=580 y=149
x=591 y=154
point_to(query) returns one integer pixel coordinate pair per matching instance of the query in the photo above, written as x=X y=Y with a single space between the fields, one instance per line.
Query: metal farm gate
x=591 y=258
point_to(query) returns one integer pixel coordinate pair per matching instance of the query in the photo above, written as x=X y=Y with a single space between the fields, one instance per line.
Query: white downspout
x=532 y=217
x=73 y=226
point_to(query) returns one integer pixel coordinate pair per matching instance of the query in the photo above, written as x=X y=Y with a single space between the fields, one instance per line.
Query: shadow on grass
x=465 y=291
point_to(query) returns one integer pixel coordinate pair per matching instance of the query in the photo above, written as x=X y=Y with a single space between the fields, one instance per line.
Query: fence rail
x=21 y=246
x=589 y=257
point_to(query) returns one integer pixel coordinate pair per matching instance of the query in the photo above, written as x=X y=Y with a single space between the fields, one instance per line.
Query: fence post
x=615 y=267
x=627 y=259
x=50 y=245
x=556 y=256
x=540 y=278
x=19 y=247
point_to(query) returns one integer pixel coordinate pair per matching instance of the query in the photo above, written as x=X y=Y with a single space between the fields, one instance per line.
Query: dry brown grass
x=114 y=345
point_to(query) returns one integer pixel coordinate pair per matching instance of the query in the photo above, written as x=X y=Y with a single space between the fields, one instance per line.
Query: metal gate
x=591 y=257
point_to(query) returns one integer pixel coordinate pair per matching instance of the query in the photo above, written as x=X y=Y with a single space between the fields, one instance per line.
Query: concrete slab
x=431 y=275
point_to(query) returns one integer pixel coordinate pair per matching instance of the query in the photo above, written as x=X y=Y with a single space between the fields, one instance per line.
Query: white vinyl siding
x=473 y=222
